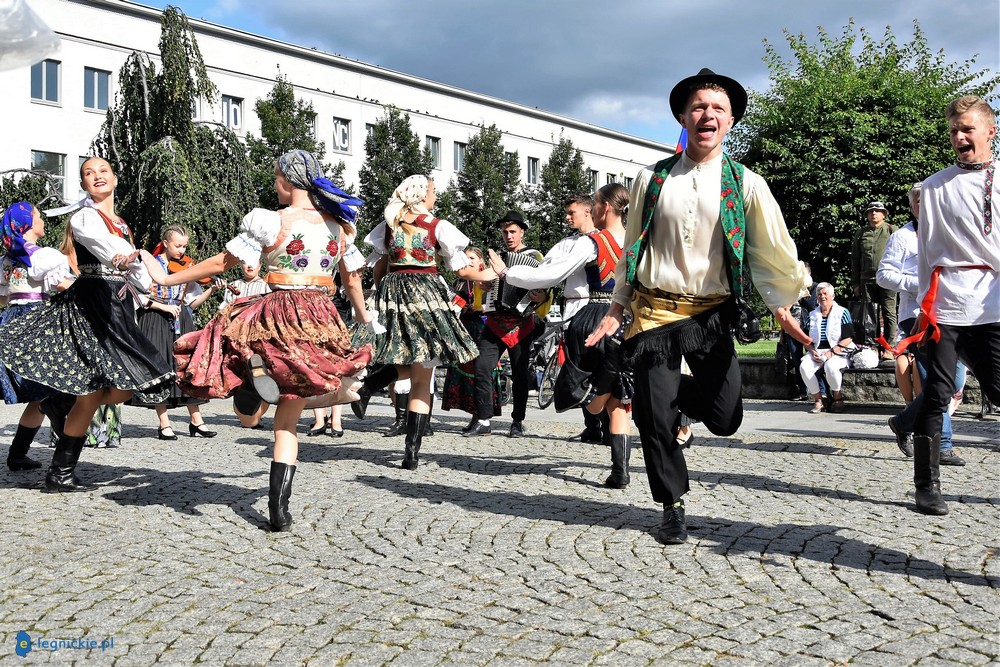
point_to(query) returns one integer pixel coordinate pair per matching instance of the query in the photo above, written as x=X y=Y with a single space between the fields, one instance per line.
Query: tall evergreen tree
x=286 y=123
x=393 y=152
x=563 y=175
x=38 y=188
x=486 y=188
x=171 y=169
x=847 y=121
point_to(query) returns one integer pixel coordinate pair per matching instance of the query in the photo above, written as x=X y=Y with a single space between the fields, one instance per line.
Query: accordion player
x=506 y=298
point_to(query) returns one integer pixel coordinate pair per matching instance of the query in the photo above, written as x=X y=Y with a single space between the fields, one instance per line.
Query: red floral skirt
x=299 y=333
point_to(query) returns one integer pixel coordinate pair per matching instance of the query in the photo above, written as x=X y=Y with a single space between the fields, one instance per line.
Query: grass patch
x=762 y=349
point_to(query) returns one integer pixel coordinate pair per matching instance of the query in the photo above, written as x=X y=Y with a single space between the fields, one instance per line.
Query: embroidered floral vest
x=412 y=245
x=601 y=271
x=19 y=283
x=307 y=245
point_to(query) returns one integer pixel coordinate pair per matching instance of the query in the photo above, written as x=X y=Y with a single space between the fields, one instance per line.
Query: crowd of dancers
x=651 y=279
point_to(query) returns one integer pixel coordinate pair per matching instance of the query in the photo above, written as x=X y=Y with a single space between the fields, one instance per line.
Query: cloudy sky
x=609 y=63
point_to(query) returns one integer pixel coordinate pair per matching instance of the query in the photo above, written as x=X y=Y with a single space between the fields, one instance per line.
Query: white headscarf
x=408 y=198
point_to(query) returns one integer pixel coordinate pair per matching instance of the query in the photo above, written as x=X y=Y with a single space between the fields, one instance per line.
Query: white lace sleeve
x=49 y=266
x=352 y=257
x=376 y=239
x=258 y=230
x=451 y=245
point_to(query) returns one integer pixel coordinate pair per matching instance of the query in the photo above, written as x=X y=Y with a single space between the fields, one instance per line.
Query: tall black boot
x=277 y=497
x=61 y=475
x=415 y=424
x=17 y=455
x=56 y=408
x=428 y=431
x=398 y=427
x=927 y=475
x=621 y=452
x=376 y=380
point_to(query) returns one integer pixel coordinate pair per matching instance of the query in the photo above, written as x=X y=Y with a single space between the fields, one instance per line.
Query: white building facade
x=53 y=110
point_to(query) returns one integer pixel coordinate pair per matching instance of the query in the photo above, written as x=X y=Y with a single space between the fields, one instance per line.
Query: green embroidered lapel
x=731 y=214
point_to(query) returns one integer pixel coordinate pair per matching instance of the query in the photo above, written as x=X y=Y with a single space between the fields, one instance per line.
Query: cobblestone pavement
x=805 y=550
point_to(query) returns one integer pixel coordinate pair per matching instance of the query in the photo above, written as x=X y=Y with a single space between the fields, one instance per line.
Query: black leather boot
x=415 y=424
x=430 y=413
x=62 y=472
x=398 y=427
x=17 y=455
x=621 y=452
x=56 y=408
x=376 y=380
x=277 y=497
x=927 y=475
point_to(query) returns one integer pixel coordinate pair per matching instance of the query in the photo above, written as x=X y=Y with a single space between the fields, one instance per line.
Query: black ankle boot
x=428 y=431
x=62 y=471
x=399 y=426
x=278 y=494
x=376 y=380
x=415 y=425
x=927 y=475
x=17 y=455
x=621 y=452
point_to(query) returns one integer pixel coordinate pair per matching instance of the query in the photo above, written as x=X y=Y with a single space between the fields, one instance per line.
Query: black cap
x=682 y=92
x=515 y=217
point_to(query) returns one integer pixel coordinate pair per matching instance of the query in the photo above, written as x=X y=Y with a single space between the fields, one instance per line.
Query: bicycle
x=551 y=354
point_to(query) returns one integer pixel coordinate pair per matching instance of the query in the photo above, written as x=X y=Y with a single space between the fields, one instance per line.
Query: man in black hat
x=507 y=328
x=693 y=220
x=867 y=249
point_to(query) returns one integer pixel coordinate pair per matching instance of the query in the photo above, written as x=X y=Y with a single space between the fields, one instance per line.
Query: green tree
x=393 y=152
x=286 y=123
x=563 y=175
x=847 y=121
x=171 y=169
x=486 y=188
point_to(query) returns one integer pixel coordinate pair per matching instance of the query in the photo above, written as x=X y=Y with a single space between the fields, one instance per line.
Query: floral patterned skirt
x=460 y=381
x=15 y=388
x=86 y=339
x=421 y=325
x=304 y=344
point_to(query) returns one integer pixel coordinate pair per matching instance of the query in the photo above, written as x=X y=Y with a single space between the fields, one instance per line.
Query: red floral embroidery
x=658 y=180
x=295 y=247
x=730 y=204
x=332 y=247
x=398 y=253
x=419 y=254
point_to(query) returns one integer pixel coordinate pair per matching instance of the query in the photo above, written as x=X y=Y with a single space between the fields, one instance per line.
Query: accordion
x=506 y=298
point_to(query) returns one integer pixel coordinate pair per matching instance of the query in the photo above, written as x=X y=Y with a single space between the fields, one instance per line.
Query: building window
x=197 y=109
x=533 y=170
x=54 y=164
x=45 y=81
x=341 y=135
x=594 y=175
x=627 y=182
x=459 y=156
x=434 y=146
x=312 y=126
x=369 y=129
x=612 y=179
x=232 y=112
x=96 y=83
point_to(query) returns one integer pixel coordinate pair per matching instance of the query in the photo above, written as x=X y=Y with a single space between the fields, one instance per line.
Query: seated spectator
x=831 y=330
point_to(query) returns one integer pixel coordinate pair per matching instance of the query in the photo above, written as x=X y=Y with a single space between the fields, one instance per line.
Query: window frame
x=229 y=104
x=95 y=73
x=44 y=82
x=339 y=122
x=433 y=144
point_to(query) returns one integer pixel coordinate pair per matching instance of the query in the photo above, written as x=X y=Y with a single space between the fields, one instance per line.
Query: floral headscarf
x=17 y=219
x=408 y=198
x=302 y=170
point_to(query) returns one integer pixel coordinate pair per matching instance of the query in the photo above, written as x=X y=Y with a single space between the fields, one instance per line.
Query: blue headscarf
x=302 y=169
x=17 y=219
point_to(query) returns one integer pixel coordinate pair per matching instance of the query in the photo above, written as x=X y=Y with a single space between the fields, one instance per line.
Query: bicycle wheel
x=546 y=388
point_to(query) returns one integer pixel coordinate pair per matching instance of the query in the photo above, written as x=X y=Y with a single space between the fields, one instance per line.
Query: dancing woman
x=93 y=349
x=422 y=329
x=28 y=274
x=290 y=345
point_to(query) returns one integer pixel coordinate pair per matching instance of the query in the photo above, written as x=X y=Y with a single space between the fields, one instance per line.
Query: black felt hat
x=682 y=92
x=515 y=217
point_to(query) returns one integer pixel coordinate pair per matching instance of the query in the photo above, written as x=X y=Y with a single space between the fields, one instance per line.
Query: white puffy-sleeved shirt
x=27 y=284
x=898 y=270
x=451 y=245
x=313 y=246
x=686 y=253
x=90 y=231
x=950 y=235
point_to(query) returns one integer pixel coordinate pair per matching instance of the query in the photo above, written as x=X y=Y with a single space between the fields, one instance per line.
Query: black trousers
x=490 y=349
x=711 y=395
x=979 y=347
